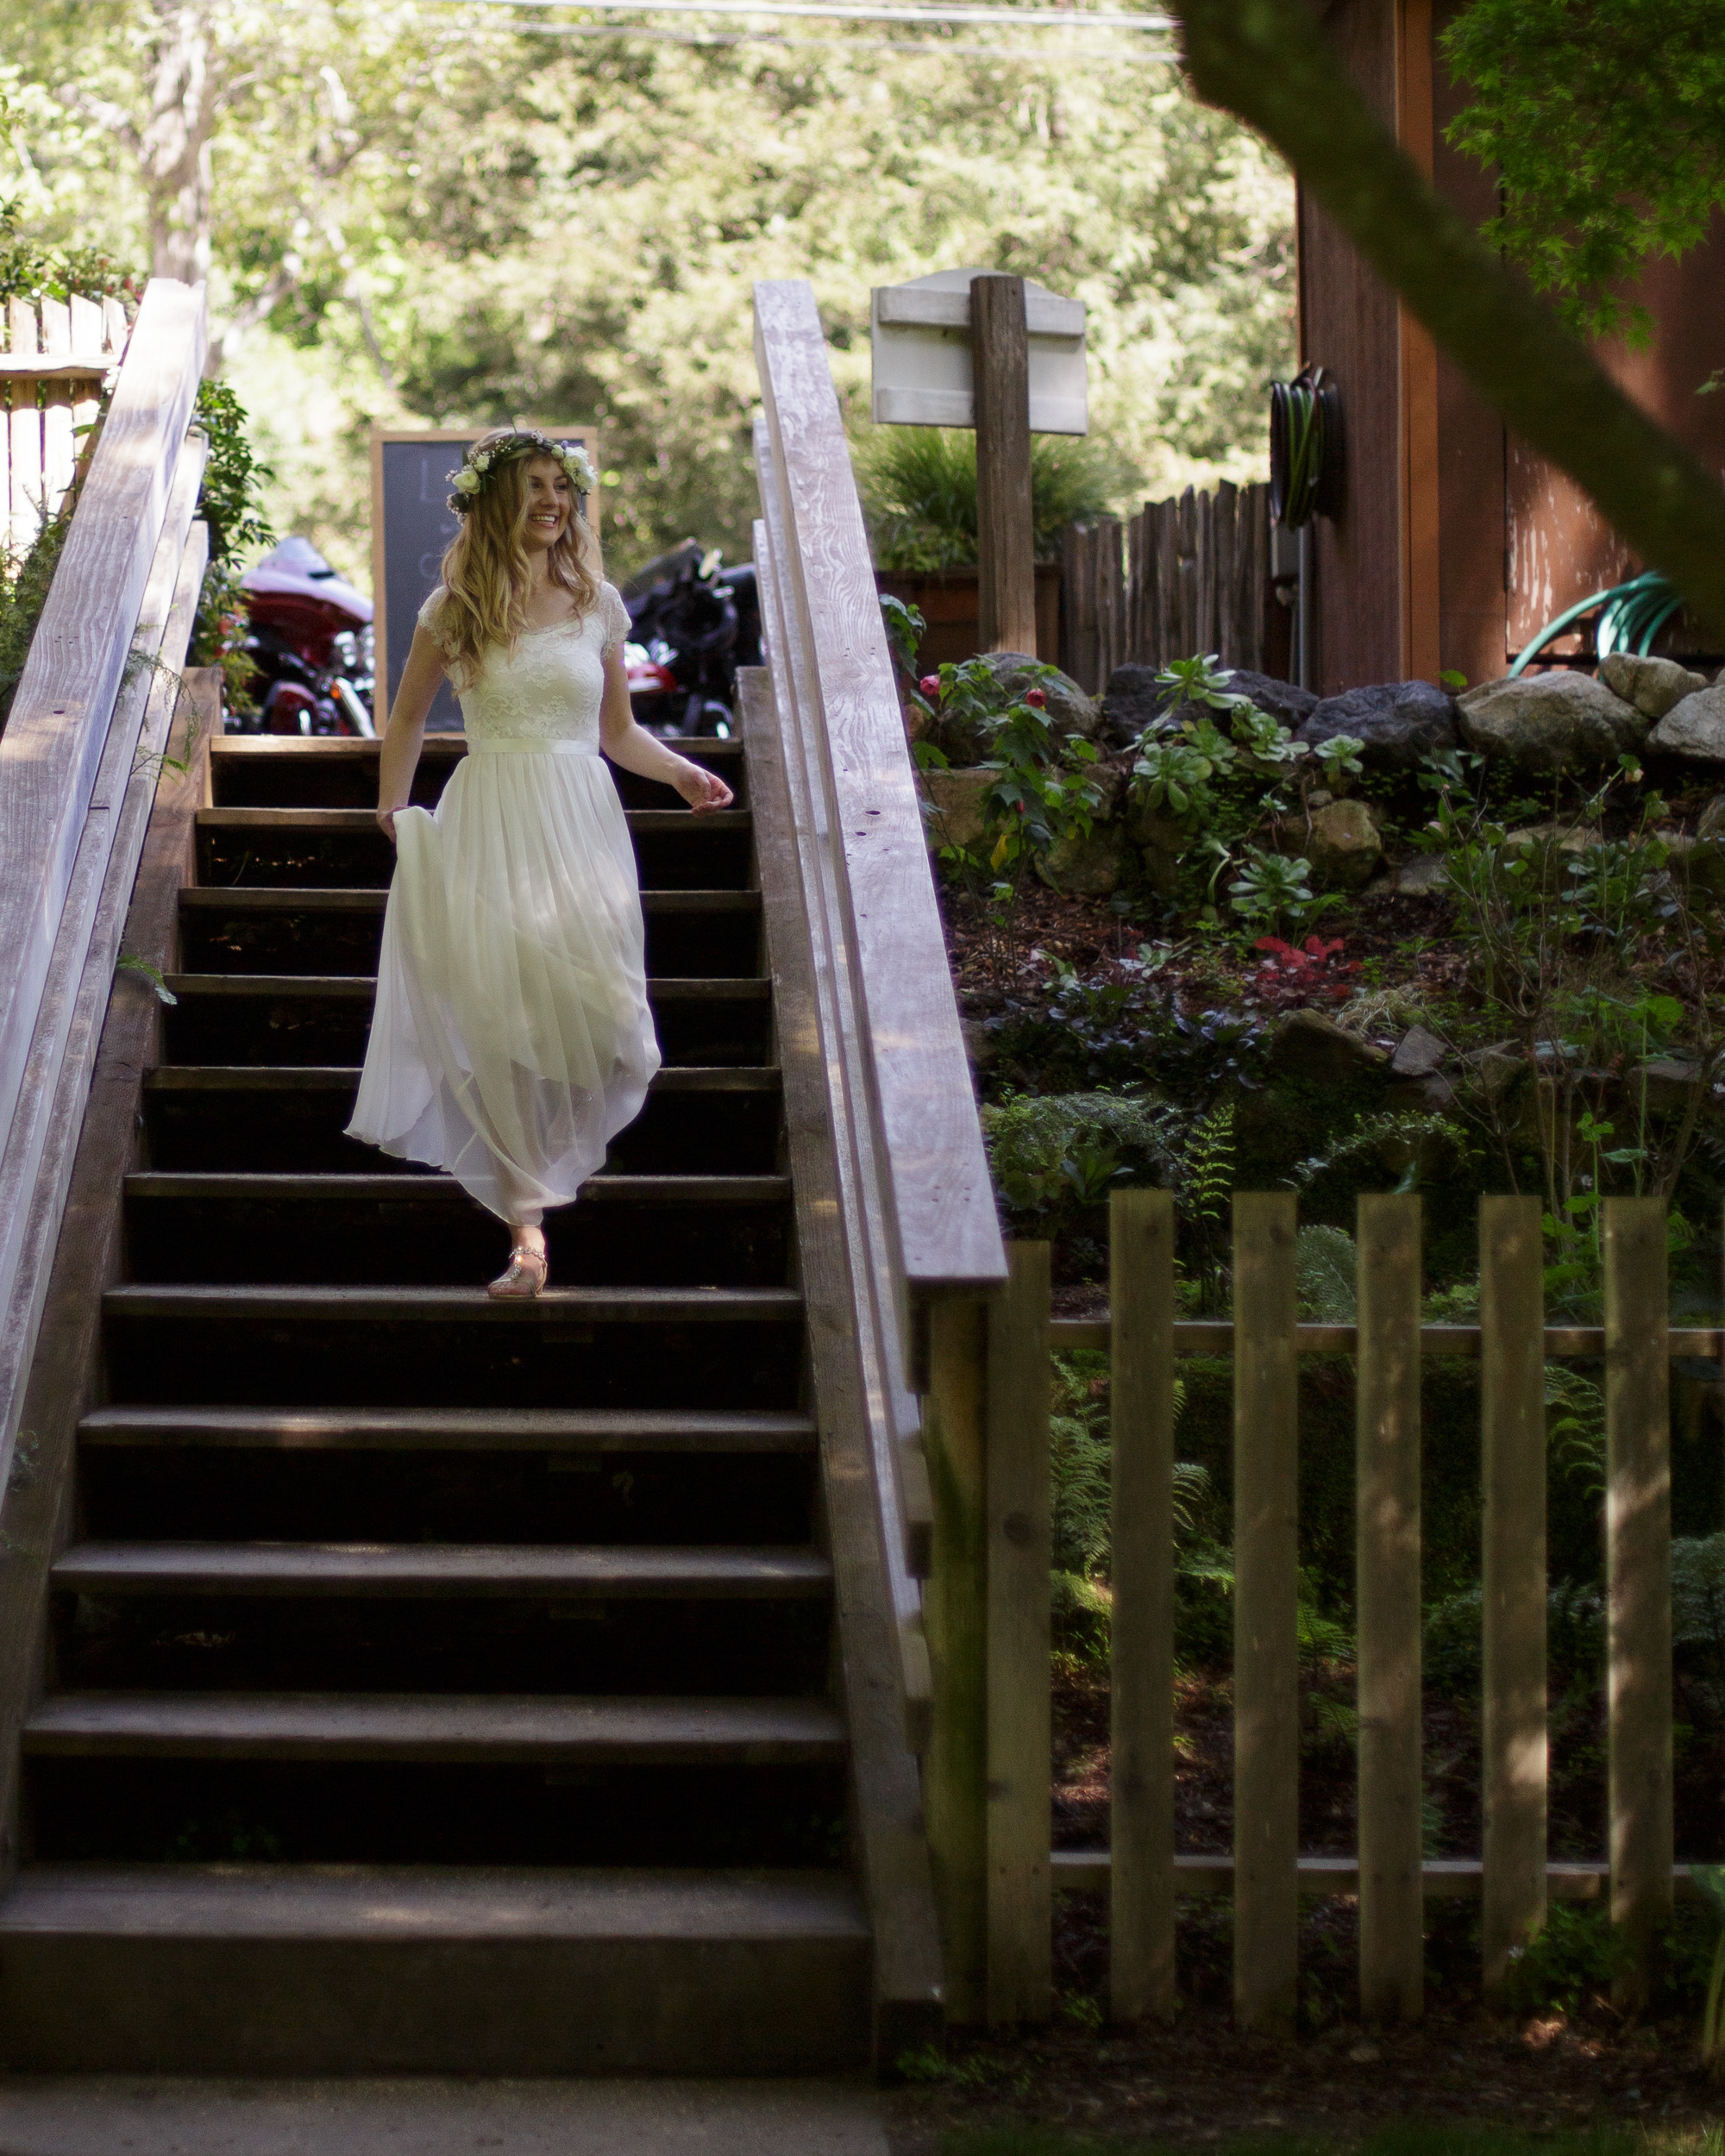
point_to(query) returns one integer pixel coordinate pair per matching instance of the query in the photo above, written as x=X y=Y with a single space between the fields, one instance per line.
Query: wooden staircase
x=434 y=1683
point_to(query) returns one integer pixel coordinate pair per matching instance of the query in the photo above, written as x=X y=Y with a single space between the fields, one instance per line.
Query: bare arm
x=637 y=750
x=405 y=733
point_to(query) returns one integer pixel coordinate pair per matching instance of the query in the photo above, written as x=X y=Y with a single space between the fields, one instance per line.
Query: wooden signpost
x=973 y=348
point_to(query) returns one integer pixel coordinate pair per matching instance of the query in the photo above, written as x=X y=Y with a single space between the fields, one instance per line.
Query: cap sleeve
x=430 y=614
x=613 y=615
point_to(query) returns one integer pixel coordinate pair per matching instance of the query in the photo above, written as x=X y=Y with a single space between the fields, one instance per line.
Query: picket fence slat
x=1141 y=1683
x=1638 y=1581
x=1020 y=1909
x=1387 y=1512
x=1267 y=1602
x=1512 y=1418
x=26 y=432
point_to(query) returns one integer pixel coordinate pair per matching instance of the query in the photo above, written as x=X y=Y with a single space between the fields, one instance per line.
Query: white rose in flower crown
x=576 y=462
x=467 y=480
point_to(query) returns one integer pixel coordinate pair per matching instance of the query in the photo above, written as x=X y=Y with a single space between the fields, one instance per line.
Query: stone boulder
x=1085 y=868
x=1131 y=699
x=1163 y=840
x=1425 y=877
x=1552 y=722
x=1317 y=1051
x=1288 y=706
x=1069 y=711
x=1401 y=723
x=1693 y=728
x=1653 y=685
x=1418 y=1054
x=956 y=798
x=1344 y=846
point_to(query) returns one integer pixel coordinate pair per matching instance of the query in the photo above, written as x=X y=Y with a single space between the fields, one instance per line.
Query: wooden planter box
x=946 y=598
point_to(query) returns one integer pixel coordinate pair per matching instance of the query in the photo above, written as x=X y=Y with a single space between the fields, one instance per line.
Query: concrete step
x=283 y=1117
x=263 y=1968
x=427 y=1728
x=422 y=1570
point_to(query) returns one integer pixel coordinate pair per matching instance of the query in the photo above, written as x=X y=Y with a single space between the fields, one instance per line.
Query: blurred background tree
x=411 y=211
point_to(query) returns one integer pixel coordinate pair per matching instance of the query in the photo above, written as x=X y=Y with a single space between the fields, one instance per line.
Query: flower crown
x=477 y=466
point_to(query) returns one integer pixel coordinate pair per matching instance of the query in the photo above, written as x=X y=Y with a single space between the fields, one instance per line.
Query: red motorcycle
x=310 y=643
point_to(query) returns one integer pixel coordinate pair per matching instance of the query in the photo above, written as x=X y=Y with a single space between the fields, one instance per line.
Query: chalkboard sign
x=411 y=525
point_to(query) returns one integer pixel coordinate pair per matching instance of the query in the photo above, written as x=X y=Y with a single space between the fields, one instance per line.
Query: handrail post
x=956 y=1764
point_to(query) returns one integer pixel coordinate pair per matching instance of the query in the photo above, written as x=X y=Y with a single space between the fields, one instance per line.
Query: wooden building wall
x=1455 y=542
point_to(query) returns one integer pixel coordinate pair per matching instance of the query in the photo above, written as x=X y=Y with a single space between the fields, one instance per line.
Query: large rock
x=1343 y=846
x=1693 y=728
x=1069 y=711
x=1401 y=723
x=1653 y=685
x=956 y=798
x=1163 y=840
x=1085 y=868
x=1317 y=1051
x=1131 y=699
x=1552 y=722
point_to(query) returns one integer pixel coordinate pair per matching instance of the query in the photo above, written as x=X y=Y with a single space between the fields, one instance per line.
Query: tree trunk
x=1267 y=61
x=175 y=149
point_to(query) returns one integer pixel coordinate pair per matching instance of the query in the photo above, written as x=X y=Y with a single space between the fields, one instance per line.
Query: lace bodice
x=550 y=689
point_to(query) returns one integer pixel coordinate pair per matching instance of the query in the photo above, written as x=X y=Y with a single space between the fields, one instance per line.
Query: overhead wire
x=1041 y=56
x=862 y=11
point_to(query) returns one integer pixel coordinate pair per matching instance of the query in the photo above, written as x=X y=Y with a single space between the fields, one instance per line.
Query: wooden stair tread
x=312 y=821
x=557 y=1305
x=660 y=988
x=364 y=1902
x=445 y=1728
x=334 y=1077
x=454 y=1429
x=202 y=898
x=435 y=1187
x=450 y=746
x=600 y=1571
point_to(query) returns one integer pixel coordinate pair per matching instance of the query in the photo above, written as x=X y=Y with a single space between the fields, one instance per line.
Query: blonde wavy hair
x=485 y=571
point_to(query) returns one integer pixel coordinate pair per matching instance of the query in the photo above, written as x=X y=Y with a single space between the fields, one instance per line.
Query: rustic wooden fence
x=91 y=708
x=57 y=352
x=992 y=1556
x=1185 y=575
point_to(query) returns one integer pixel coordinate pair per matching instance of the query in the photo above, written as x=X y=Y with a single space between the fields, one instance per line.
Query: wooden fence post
x=954 y=1767
x=1141 y=1678
x=1512 y=1418
x=1391 y=1884
x=1266 y=1605
x=1638 y=1580
x=1006 y=577
x=1016 y=1473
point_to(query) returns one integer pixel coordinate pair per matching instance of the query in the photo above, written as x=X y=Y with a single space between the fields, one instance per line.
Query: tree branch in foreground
x=1268 y=62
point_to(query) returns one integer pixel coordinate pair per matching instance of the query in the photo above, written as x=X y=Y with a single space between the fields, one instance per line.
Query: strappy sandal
x=522 y=1278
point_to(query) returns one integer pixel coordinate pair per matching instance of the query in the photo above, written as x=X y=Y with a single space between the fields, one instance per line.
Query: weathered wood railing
x=1185 y=575
x=1265 y=1872
x=57 y=353
x=91 y=709
x=896 y=1210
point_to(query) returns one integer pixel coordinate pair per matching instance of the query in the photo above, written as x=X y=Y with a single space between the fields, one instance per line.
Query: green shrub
x=1038 y=1146
x=919 y=488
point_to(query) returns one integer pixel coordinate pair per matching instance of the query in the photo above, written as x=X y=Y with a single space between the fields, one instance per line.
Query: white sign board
x=922 y=355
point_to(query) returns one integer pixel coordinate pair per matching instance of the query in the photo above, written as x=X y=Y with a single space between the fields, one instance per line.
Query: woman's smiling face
x=550 y=503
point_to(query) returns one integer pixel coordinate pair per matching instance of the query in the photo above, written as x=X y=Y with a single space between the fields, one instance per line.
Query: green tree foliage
x=427 y=213
x=1606 y=126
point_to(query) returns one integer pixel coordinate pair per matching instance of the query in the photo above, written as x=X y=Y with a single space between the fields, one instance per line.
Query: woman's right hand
x=385 y=818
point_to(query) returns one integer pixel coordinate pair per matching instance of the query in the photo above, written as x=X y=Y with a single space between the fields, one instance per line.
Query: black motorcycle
x=693 y=623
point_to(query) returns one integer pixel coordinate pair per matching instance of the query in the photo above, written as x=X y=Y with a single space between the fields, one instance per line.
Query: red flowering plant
x=1314 y=972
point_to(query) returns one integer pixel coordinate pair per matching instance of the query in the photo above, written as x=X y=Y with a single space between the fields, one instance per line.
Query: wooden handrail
x=114 y=628
x=934 y=1183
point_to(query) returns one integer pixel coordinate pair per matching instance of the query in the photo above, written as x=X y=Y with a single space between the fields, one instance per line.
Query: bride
x=512 y=1038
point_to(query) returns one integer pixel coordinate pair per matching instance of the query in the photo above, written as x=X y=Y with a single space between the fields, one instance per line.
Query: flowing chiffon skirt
x=511 y=1038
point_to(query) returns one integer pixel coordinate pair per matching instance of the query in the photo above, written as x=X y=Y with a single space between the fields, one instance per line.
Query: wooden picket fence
x=1185 y=575
x=57 y=353
x=987 y=1772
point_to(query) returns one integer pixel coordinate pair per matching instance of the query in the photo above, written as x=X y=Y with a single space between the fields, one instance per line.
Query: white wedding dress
x=511 y=1039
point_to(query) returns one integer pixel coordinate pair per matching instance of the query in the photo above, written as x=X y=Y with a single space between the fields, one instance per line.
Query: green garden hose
x=1631 y=615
